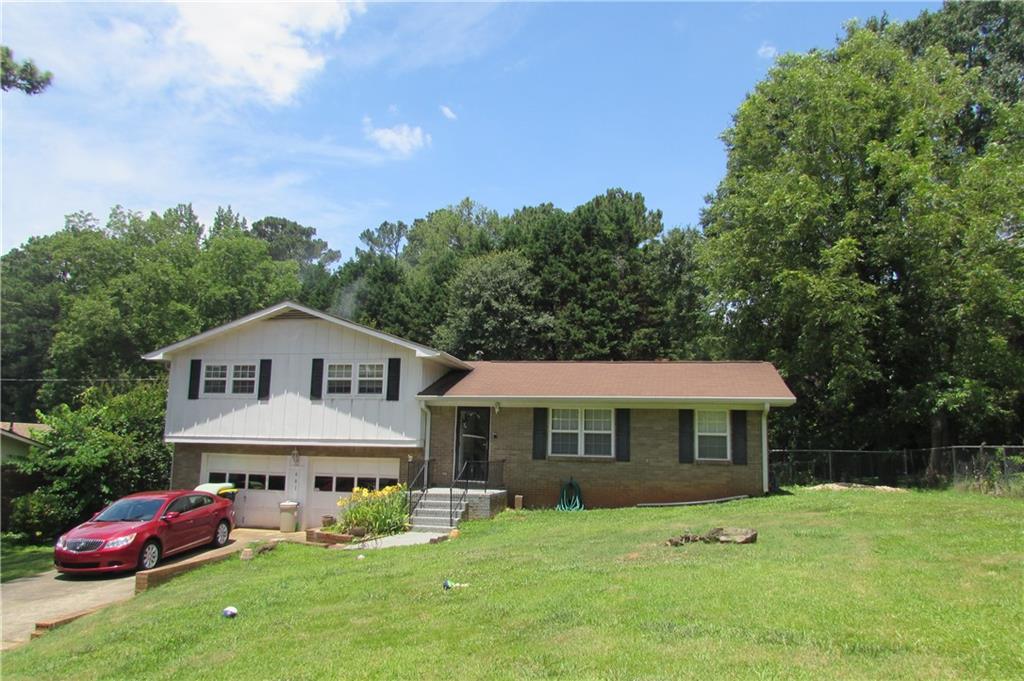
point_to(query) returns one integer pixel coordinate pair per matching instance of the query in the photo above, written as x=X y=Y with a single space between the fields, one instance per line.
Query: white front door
x=260 y=479
x=331 y=478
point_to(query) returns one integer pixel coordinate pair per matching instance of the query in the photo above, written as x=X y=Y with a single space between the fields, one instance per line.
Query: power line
x=74 y=380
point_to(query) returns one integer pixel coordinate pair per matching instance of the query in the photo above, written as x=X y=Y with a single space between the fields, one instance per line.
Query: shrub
x=380 y=512
x=112 y=445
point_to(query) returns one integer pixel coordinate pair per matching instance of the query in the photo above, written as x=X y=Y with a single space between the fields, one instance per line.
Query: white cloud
x=448 y=113
x=268 y=47
x=767 y=50
x=400 y=140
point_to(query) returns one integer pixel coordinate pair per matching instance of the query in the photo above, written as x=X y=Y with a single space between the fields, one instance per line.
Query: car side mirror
x=170 y=515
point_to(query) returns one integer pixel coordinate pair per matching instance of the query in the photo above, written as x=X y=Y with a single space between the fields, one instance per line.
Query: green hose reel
x=571 y=498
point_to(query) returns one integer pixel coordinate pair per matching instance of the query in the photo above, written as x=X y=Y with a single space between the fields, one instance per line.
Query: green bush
x=380 y=512
x=109 y=447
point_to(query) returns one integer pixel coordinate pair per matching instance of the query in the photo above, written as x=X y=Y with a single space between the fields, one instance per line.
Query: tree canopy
x=866 y=239
x=24 y=76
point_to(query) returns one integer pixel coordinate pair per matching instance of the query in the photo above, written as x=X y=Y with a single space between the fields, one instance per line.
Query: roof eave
x=161 y=355
x=640 y=399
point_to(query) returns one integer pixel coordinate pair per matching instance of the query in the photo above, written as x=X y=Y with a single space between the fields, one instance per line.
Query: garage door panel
x=260 y=480
x=343 y=474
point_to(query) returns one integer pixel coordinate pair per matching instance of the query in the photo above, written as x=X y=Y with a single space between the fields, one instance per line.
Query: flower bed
x=378 y=512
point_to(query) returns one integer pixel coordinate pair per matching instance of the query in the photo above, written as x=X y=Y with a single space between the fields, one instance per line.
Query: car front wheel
x=150 y=556
x=220 y=537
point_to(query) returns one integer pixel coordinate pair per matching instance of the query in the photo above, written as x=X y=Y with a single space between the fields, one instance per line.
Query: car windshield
x=130 y=510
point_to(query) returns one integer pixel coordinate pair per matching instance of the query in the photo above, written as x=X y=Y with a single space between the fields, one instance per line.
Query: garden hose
x=571 y=499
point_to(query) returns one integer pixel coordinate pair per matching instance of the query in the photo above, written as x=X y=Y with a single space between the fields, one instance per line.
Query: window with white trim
x=371 y=379
x=597 y=432
x=243 y=379
x=581 y=432
x=339 y=379
x=565 y=432
x=713 y=435
x=215 y=379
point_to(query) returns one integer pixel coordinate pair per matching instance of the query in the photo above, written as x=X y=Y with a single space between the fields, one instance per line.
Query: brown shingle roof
x=23 y=430
x=641 y=380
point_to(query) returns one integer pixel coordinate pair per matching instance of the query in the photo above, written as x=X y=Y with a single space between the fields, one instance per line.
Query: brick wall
x=188 y=457
x=442 y=445
x=653 y=473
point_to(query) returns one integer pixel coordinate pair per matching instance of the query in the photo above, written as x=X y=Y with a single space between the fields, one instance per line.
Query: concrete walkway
x=51 y=595
x=404 y=539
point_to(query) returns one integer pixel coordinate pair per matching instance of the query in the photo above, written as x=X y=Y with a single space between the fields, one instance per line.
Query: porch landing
x=439 y=509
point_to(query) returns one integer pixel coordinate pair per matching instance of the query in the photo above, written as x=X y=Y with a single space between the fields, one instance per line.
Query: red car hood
x=94 y=530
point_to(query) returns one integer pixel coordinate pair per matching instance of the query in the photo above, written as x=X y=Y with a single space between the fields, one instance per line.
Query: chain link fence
x=997 y=469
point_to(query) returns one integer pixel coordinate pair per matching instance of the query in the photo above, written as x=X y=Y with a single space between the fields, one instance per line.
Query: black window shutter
x=195 y=371
x=540 y=433
x=738 y=434
x=264 y=393
x=316 y=382
x=394 y=377
x=622 y=435
x=685 y=436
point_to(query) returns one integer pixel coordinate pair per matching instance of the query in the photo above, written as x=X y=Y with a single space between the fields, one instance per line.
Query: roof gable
x=291 y=310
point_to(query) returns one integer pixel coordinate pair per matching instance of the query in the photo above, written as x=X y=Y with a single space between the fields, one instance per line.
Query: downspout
x=764 y=447
x=426 y=444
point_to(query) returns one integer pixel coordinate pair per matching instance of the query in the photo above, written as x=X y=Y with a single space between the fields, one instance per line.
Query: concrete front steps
x=433 y=511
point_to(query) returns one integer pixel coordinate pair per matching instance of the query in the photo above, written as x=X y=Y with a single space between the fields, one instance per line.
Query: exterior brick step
x=436 y=513
x=432 y=528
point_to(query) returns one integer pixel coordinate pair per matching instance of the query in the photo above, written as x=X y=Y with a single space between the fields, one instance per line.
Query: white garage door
x=260 y=480
x=331 y=478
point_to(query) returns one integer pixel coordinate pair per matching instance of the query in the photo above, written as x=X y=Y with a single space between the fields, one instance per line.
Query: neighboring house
x=15 y=441
x=17 y=438
x=293 y=403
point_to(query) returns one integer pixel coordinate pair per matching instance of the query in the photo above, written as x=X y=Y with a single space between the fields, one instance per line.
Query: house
x=290 y=403
x=16 y=439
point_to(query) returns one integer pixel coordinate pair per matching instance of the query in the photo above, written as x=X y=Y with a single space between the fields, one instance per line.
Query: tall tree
x=25 y=76
x=855 y=241
x=591 y=268
x=492 y=310
x=288 y=240
x=387 y=239
x=988 y=36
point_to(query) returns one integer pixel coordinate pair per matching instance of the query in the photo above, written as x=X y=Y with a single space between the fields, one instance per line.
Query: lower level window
x=257 y=481
x=586 y=432
x=713 y=435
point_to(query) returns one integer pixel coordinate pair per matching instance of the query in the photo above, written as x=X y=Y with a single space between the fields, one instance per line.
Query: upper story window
x=586 y=432
x=339 y=379
x=215 y=379
x=713 y=435
x=243 y=379
x=371 y=379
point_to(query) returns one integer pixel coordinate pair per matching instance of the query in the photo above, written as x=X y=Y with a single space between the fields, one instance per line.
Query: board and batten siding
x=289 y=414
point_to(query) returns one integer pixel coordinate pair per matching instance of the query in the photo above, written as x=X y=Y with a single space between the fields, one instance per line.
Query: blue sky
x=342 y=116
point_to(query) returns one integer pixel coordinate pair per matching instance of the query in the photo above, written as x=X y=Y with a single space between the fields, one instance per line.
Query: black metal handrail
x=483 y=474
x=420 y=466
x=462 y=480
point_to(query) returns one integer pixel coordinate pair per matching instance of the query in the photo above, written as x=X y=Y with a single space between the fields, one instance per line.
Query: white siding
x=289 y=415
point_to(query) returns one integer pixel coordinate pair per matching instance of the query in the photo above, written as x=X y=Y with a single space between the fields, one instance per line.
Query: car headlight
x=61 y=542
x=120 y=541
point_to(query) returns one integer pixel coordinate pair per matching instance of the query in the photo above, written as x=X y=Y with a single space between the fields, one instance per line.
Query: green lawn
x=18 y=560
x=855 y=584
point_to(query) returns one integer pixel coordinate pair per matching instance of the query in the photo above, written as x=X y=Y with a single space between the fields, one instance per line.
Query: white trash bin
x=289 y=515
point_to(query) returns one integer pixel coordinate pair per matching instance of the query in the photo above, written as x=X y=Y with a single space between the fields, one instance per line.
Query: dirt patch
x=841 y=486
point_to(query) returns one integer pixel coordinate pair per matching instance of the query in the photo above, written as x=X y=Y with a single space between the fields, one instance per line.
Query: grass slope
x=854 y=584
x=18 y=560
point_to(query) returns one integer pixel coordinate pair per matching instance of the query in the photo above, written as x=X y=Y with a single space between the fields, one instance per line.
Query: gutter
x=426 y=444
x=764 y=447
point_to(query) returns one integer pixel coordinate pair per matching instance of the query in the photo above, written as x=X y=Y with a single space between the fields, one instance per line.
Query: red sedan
x=137 y=531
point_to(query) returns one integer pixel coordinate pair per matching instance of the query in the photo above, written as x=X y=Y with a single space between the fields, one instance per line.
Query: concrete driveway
x=51 y=595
